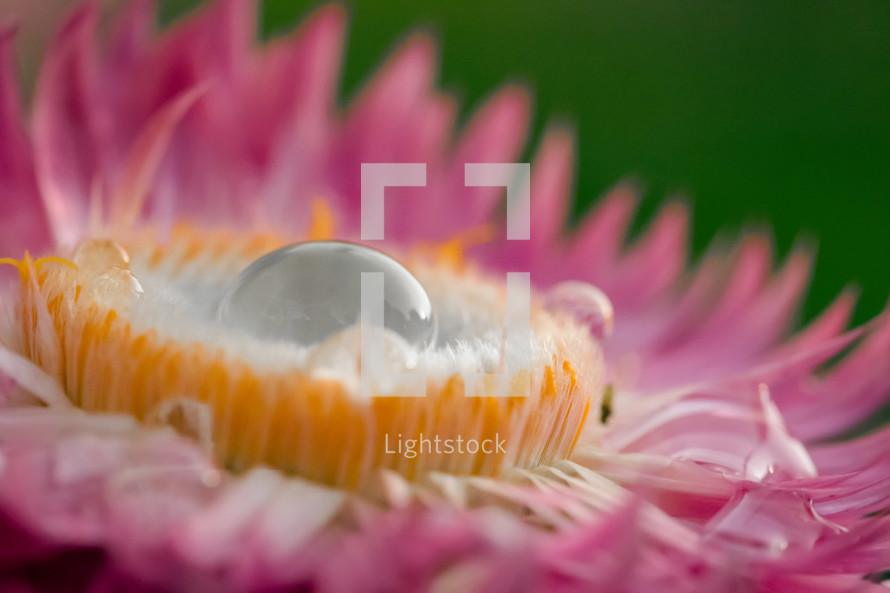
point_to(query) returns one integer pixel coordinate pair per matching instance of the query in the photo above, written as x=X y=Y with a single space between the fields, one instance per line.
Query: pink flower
x=712 y=463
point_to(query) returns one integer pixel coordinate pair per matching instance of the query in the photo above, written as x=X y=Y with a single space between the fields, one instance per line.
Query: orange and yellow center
x=77 y=323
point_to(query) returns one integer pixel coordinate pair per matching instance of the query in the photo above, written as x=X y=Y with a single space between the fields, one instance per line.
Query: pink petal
x=598 y=241
x=145 y=156
x=23 y=224
x=29 y=376
x=69 y=127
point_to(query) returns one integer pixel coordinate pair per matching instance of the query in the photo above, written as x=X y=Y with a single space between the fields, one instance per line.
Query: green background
x=769 y=114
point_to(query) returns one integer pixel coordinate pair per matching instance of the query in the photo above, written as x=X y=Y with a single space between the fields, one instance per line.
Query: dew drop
x=307 y=292
x=586 y=304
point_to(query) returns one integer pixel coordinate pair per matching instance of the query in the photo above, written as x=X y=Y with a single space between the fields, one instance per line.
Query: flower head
x=147 y=445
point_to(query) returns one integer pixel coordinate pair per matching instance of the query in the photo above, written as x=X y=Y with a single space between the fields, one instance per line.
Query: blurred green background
x=774 y=114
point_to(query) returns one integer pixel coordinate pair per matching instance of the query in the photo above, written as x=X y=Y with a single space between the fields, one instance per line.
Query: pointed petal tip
x=513 y=96
x=421 y=39
x=670 y=226
x=329 y=17
x=139 y=12
x=80 y=19
x=8 y=36
x=553 y=172
x=560 y=138
x=629 y=188
x=802 y=256
x=836 y=316
x=408 y=71
x=755 y=242
x=420 y=49
x=556 y=156
x=807 y=244
x=8 y=29
x=675 y=209
x=79 y=25
x=505 y=112
x=417 y=53
x=623 y=197
x=847 y=299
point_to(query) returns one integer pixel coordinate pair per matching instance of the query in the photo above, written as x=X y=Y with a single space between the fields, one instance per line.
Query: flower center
x=135 y=330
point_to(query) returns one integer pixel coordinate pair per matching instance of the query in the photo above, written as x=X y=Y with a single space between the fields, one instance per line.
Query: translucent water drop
x=307 y=292
x=586 y=304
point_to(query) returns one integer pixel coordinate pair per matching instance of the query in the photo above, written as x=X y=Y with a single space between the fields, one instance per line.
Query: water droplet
x=307 y=292
x=586 y=304
x=98 y=255
x=117 y=288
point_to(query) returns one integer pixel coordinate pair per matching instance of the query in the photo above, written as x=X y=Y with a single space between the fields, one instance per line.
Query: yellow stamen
x=323 y=224
x=37 y=263
x=54 y=259
x=453 y=251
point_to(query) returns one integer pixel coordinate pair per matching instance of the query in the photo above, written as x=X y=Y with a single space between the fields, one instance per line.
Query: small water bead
x=586 y=304
x=307 y=292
